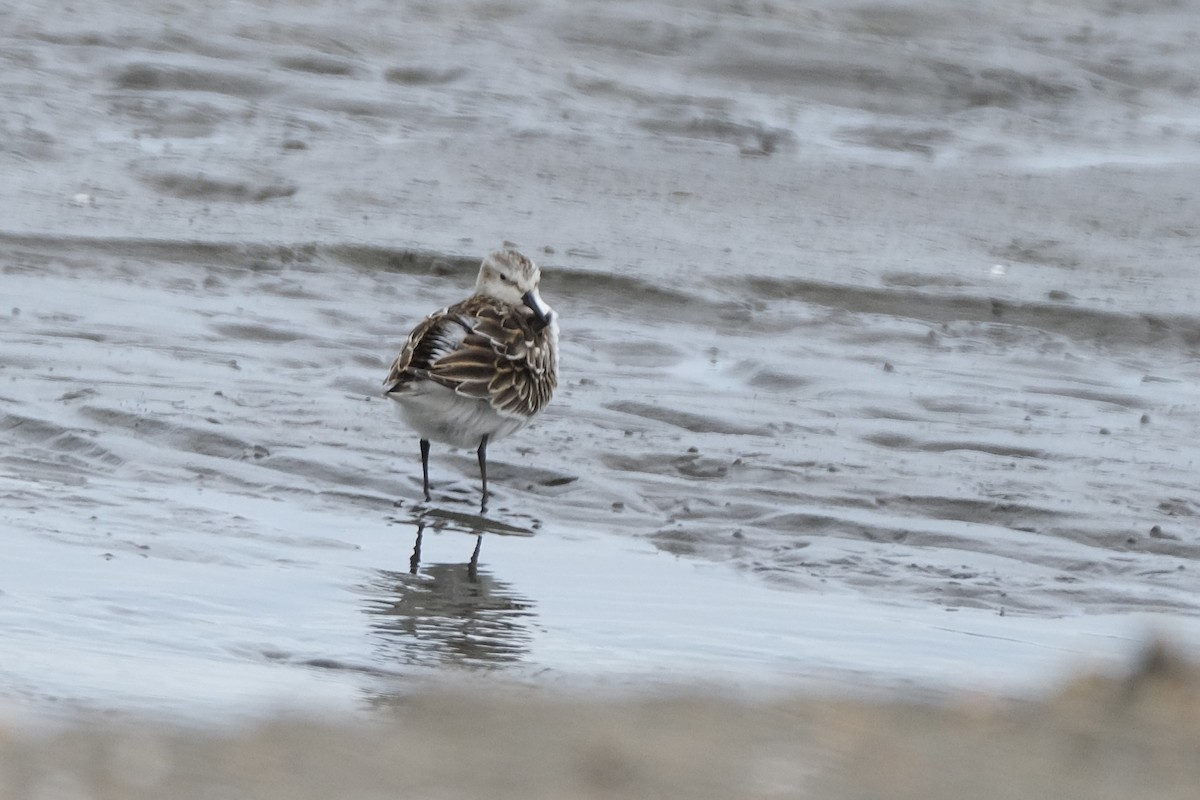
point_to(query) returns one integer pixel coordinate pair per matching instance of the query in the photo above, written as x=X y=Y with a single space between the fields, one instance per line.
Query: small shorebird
x=480 y=369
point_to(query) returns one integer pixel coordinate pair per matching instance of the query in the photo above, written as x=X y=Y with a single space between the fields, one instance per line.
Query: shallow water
x=879 y=343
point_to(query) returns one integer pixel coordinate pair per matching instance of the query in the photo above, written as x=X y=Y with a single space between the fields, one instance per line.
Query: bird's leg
x=414 y=562
x=425 y=467
x=482 y=452
x=473 y=567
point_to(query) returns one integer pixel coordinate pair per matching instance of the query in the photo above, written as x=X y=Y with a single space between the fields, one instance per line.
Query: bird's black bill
x=541 y=314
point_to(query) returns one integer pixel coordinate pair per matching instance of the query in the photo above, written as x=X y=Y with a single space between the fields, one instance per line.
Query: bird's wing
x=484 y=350
x=438 y=334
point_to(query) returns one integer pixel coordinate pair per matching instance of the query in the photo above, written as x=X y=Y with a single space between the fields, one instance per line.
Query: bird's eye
x=503 y=277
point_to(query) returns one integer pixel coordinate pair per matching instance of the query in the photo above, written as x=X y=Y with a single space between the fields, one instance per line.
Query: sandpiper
x=481 y=369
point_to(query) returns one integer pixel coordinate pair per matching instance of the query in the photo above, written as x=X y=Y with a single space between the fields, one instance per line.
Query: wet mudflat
x=879 y=369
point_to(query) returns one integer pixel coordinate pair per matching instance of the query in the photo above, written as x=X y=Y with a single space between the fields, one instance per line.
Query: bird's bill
x=541 y=311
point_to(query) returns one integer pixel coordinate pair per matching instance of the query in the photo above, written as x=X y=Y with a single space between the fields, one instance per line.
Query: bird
x=481 y=369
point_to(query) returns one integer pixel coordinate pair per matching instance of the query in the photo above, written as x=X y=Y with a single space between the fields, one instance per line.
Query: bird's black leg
x=473 y=566
x=425 y=467
x=482 y=452
x=414 y=562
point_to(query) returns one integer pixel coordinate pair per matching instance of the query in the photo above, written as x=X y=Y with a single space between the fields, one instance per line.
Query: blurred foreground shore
x=1134 y=735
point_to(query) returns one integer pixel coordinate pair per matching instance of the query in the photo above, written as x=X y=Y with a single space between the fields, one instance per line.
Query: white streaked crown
x=507 y=275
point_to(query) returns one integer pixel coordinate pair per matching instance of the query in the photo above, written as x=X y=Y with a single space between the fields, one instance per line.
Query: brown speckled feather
x=484 y=349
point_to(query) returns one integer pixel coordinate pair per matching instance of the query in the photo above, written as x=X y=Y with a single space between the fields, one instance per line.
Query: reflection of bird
x=480 y=369
x=450 y=613
x=414 y=561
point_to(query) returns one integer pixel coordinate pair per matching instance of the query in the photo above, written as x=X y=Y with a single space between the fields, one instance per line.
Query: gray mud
x=1096 y=737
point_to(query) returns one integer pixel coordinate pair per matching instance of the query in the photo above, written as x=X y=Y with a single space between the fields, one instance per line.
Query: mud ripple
x=257 y=332
x=689 y=421
x=422 y=76
x=1086 y=324
x=180 y=436
x=163 y=77
x=901 y=442
x=79 y=445
x=318 y=64
x=207 y=187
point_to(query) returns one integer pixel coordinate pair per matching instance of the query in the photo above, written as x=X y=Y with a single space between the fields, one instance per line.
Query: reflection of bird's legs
x=425 y=467
x=414 y=563
x=482 y=453
x=473 y=567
